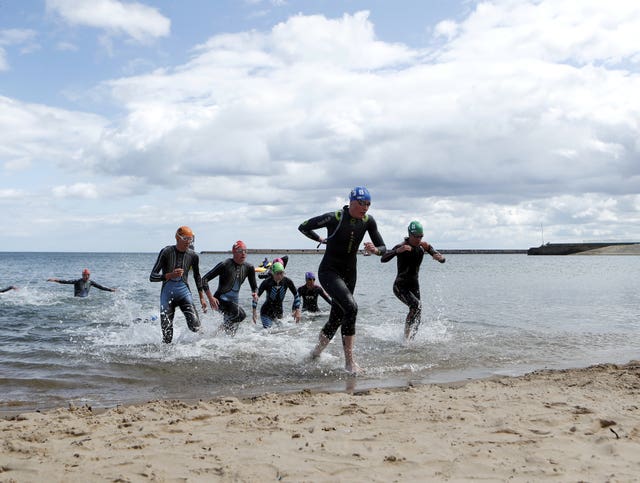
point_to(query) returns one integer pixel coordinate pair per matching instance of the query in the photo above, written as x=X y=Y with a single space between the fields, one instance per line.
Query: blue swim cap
x=309 y=276
x=360 y=193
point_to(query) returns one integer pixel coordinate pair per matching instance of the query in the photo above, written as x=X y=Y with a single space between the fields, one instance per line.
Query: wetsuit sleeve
x=322 y=221
x=68 y=282
x=252 y=278
x=7 y=289
x=100 y=287
x=376 y=237
x=196 y=272
x=389 y=254
x=296 y=296
x=263 y=287
x=157 y=273
x=324 y=295
x=211 y=274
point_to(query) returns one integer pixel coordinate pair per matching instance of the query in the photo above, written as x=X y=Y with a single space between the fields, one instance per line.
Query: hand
x=403 y=248
x=440 y=258
x=370 y=247
x=255 y=316
x=52 y=280
x=214 y=303
x=296 y=315
x=203 y=303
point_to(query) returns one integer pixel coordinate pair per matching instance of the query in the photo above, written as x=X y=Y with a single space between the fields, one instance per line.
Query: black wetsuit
x=81 y=287
x=406 y=285
x=176 y=293
x=272 y=307
x=338 y=272
x=3 y=290
x=232 y=276
x=309 y=297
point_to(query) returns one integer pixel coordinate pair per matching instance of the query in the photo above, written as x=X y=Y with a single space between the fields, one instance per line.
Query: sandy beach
x=566 y=425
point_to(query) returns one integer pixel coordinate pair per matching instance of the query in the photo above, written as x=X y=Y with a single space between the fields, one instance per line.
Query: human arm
x=211 y=274
x=102 y=287
x=323 y=293
x=433 y=252
x=376 y=246
x=295 y=307
x=11 y=287
x=390 y=254
x=65 y=282
x=323 y=221
x=256 y=296
x=195 y=266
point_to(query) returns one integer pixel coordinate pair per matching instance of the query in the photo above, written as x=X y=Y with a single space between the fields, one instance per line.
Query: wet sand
x=566 y=425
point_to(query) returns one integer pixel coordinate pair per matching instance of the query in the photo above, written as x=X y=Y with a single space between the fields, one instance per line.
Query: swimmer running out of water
x=406 y=285
x=346 y=229
x=172 y=269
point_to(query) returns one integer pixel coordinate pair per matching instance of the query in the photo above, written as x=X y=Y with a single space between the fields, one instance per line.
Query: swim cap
x=278 y=260
x=360 y=193
x=415 y=228
x=277 y=267
x=86 y=272
x=309 y=276
x=185 y=231
x=239 y=245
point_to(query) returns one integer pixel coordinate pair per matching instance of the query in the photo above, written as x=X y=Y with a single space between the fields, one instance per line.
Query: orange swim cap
x=185 y=231
x=86 y=272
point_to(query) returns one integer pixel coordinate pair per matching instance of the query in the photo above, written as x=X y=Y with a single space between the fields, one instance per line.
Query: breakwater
x=572 y=248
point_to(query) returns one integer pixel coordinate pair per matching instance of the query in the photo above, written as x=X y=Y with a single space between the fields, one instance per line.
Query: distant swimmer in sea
x=172 y=269
x=82 y=285
x=346 y=229
x=276 y=288
x=406 y=285
x=309 y=293
x=232 y=273
x=11 y=287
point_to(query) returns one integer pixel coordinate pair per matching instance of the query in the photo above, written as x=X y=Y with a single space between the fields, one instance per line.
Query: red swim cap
x=86 y=272
x=239 y=245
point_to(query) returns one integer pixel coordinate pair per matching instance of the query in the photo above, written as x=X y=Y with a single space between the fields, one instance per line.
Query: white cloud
x=136 y=20
x=25 y=38
x=510 y=125
x=77 y=190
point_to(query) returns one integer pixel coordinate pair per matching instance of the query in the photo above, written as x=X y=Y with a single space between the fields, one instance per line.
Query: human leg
x=167 y=311
x=410 y=296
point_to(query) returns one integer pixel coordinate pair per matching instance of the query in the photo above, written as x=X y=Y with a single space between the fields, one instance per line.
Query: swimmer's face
x=239 y=255
x=359 y=208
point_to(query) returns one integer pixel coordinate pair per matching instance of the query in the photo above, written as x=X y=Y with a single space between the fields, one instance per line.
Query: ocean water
x=482 y=315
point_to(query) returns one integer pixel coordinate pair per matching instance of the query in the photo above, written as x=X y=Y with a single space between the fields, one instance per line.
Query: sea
x=483 y=315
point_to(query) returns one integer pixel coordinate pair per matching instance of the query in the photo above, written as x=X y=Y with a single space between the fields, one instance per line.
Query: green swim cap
x=277 y=267
x=415 y=228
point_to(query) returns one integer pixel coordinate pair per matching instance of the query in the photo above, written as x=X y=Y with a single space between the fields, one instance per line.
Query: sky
x=497 y=124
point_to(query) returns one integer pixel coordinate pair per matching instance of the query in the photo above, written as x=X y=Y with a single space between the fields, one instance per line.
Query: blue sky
x=491 y=122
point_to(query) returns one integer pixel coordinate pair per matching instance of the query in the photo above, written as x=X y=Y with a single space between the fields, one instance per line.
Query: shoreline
x=580 y=424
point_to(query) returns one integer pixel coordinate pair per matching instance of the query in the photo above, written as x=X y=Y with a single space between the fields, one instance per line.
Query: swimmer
x=82 y=285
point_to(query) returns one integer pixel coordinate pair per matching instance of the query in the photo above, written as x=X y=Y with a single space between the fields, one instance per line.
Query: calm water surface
x=483 y=315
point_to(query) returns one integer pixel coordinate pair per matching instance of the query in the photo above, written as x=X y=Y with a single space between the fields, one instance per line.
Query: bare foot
x=354 y=369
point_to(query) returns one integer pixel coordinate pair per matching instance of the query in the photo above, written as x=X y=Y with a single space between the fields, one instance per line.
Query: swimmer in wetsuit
x=337 y=272
x=172 y=269
x=406 y=285
x=82 y=285
x=276 y=288
x=232 y=272
x=309 y=293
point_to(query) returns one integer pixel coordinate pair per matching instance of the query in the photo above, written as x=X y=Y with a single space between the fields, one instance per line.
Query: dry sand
x=568 y=425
